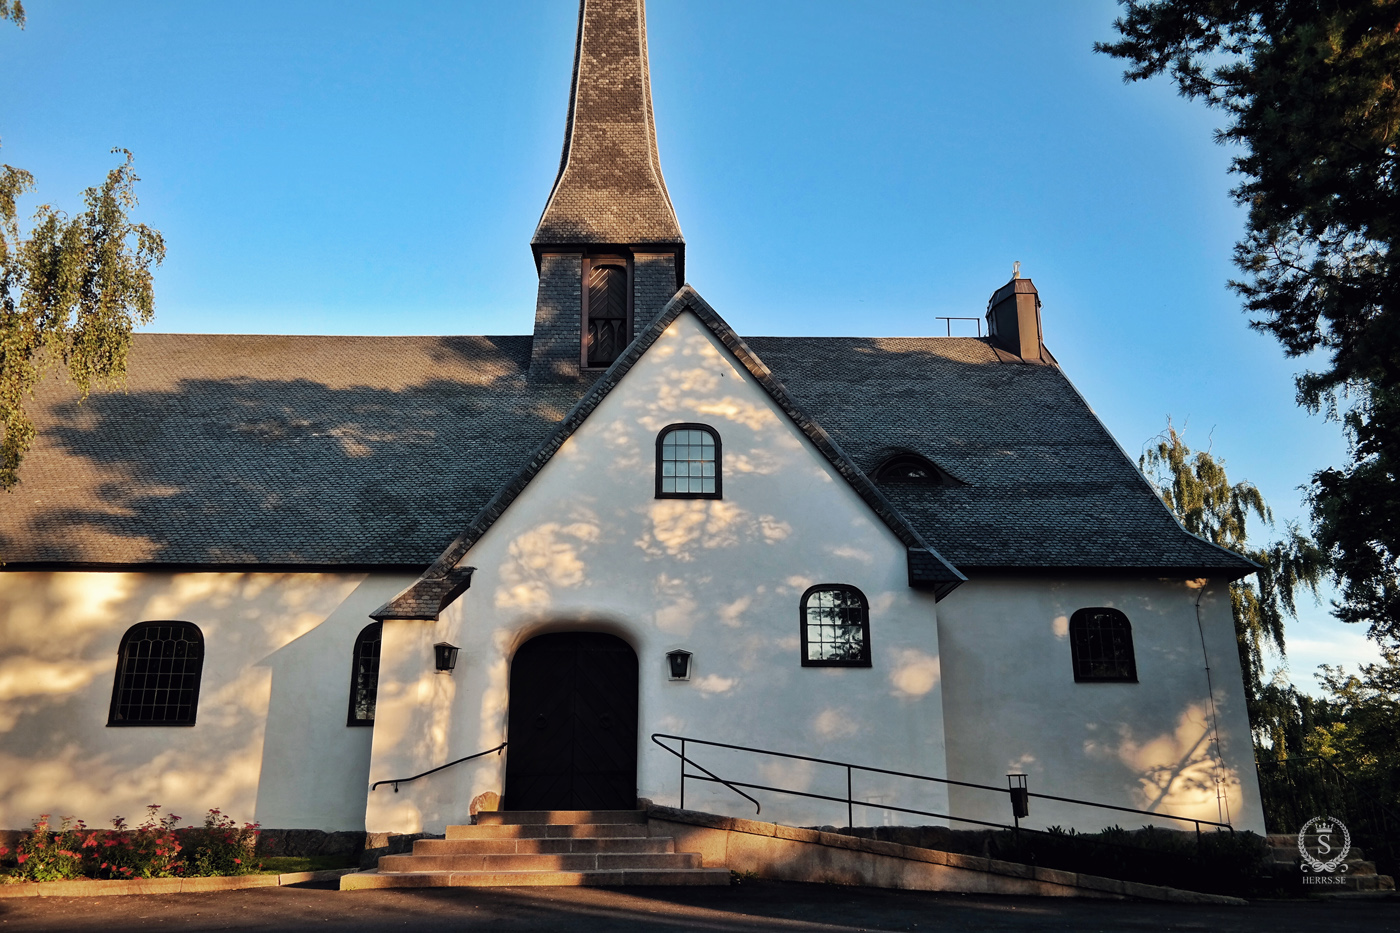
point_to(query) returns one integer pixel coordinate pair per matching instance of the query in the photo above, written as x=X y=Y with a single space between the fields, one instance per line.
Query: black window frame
x=864 y=659
x=374 y=631
x=120 y=690
x=1120 y=633
x=719 y=461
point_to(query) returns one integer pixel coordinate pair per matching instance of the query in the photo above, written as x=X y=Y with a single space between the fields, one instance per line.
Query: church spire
x=608 y=247
x=609 y=190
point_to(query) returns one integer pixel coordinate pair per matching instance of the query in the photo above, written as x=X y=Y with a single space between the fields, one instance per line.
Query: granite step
x=577 y=861
x=555 y=831
x=559 y=817
x=512 y=845
x=366 y=880
x=542 y=847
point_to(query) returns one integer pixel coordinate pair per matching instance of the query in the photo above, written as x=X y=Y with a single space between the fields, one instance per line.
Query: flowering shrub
x=46 y=855
x=224 y=848
x=151 y=850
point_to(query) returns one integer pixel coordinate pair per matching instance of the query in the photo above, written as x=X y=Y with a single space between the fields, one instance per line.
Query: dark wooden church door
x=573 y=724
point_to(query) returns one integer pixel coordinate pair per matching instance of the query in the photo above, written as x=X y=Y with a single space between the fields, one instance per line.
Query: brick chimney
x=1013 y=319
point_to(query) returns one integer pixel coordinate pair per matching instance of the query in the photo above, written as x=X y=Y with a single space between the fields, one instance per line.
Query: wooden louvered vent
x=607 y=314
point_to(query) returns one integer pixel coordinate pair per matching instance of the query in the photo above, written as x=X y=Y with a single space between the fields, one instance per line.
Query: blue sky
x=838 y=168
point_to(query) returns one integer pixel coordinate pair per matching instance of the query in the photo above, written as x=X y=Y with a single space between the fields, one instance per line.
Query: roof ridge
x=932 y=568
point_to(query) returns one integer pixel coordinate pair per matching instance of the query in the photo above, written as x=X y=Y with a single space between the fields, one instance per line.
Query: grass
x=286 y=864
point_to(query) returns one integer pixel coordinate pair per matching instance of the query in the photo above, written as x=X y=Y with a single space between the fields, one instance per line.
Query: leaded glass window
x=835 y=627
x=688 y=463
x=364 y=675
x=158 y=669
x=1101 y=645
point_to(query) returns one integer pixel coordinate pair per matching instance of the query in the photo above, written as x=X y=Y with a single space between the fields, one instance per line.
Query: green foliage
x=1311 y=95
x=1221 y=862
x=150 y=850
x=70 y=293
x=224 y=848
x=46 y=854
x=1363 y=737
x=1195 y=487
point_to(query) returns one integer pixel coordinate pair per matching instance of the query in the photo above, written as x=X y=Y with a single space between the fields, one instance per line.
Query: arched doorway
x=573 y=724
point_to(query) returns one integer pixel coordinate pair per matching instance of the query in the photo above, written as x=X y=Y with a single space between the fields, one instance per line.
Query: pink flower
x=104 y=864
x=22 y=857
x=238 y=861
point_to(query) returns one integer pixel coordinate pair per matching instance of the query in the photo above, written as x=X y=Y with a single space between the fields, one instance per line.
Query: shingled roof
x=609 y=189
x=338 y=452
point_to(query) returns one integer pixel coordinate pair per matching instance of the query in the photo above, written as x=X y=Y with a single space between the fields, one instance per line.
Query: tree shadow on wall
x=244 y=470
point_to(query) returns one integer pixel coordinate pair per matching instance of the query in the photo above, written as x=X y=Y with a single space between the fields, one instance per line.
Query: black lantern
x=1020 y=796
x=678 y=662
x=446 y=656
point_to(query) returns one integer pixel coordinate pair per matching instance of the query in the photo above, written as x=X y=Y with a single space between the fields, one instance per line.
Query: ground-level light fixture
x=678 y=663
x=446 y=656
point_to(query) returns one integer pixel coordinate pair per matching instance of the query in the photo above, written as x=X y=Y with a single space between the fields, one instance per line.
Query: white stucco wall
x=587 y=546
x=1011 y=704
x=270 y=741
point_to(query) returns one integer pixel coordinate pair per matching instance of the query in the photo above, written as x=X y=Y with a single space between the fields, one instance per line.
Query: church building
x=282 y=576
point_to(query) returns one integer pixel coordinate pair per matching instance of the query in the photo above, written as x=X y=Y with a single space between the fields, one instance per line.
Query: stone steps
x=514 y=845
x=1360 y=875
x=542 y=847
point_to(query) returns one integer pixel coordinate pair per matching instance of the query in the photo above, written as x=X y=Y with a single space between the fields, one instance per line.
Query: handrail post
x=682 y=774
x=850 y=807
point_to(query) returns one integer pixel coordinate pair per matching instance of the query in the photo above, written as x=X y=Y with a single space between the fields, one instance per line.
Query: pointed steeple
x=609 y=190
x=608 y=247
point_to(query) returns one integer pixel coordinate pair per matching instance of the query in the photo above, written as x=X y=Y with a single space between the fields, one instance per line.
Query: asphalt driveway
x=746 y=907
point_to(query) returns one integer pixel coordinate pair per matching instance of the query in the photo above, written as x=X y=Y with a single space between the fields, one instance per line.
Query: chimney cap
x=1017 y=286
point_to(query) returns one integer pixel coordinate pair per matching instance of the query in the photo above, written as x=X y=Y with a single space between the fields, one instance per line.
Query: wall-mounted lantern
x=446 y=656
x=1020 y=796
x=678 y=663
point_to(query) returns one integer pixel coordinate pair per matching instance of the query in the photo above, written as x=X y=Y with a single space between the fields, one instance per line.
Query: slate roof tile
x=377 y=451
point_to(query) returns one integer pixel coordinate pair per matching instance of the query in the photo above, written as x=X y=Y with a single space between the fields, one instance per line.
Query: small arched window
x=688 y=463
x=608 y=331
x=1101 y=644
x=910 y=469
x=835 y=627
x=364 y=675
x=158 y=670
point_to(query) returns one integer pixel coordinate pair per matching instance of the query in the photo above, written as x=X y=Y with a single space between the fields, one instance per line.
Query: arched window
x=835 y=627
x=608 y=331
x=157 y=682
x=688 y=463
x=1101 y=644
x=364 y=675
x=910 y=469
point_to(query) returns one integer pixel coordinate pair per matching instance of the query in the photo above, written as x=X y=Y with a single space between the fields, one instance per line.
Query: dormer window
x=910 y=469
x=606 y=310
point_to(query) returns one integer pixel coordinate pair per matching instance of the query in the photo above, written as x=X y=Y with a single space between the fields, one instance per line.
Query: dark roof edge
x=425 y=599
x=686 y=299
x=979 y=571
x=1245 y=565
x=35 y=566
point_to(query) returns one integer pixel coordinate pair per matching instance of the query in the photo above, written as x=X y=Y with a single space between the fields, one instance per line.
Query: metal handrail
x=850 y=801
x=397 y=781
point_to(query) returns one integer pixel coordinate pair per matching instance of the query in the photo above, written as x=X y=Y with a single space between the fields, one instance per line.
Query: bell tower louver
x=608 y=247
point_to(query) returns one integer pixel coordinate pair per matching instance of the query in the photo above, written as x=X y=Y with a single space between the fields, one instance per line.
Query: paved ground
x=751 y=906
